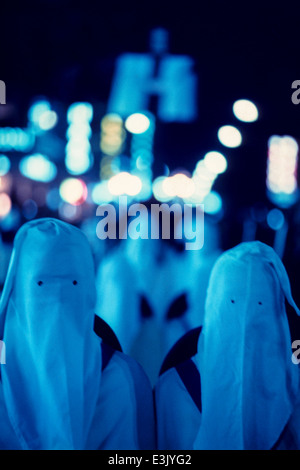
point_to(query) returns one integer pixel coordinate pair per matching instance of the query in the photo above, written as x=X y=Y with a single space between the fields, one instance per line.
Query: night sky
x=66 y=51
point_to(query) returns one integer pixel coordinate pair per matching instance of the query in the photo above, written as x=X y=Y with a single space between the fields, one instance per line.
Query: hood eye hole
x=40 y=283
x=75 y=282
x=259 y=303
x=232 y=301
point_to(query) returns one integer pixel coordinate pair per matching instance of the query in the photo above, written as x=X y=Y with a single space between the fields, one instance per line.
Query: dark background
x=66 y=50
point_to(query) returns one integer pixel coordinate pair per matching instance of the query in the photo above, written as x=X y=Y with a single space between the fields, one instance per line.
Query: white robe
x=53 y=393
x=249 y=384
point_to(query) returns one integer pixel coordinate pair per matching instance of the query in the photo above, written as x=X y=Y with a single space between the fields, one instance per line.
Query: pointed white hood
x=53 y=358
x=249 y=383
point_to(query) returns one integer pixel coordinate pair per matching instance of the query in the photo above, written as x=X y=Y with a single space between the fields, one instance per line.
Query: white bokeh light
x=229 y=136
x=215 y=162
x=245 y=110
x=137 y=123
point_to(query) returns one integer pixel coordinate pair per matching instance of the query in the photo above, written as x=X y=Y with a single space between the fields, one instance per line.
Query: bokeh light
x=275 y=219
x=5 y=205
x=215 y=162
x=137 y=123
x=73 y=191
x=245 y=110
x=212 y=203
x=179 y=185
x=124 y=183
x=38 y=168
x=4 y=165
x=229 y=136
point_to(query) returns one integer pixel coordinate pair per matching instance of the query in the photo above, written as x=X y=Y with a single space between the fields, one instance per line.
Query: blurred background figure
x=152 y=291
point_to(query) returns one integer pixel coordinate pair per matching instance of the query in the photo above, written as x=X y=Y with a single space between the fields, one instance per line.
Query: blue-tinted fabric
x=178 y=417
x=51 y=380
x=249 y=384
x=55 y=392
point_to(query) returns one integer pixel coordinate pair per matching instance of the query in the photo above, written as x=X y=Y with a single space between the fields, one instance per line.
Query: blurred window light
x=79 y=158
x=42 y=116
x=204 y=173
x=137 y=123
x=6 y=183
x=37 y=167
x=4 y=165
x=78 y=148
x=281 y=181
x=14 y=138
x=73 y=191
x=146 y=190
x=5 y=205
x=109 y=166
x=100 y=193
x=135 y=186
x=48 y=120
x=112 y=134
x=198 y=196
x=230 y=136
x=275 y=219
x=78 y=131
x=212 y=203
x=80 y=112
x=245 y=110
x=158 y=189
x=202 y=184
x=111 y=122
x=124 y=183
x=141 y=148
x=37 y=109
x=215 y=162
x=179 y=185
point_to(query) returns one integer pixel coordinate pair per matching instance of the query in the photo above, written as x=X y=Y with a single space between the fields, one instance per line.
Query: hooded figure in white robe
x=53 y=391
x=155 y=293
x=249 y=383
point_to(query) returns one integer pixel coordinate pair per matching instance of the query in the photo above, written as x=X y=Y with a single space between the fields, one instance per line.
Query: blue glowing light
x=37 y=109
x=48 y=120
x=275 y=219
x=38 y=168
x=80 y=112
x=79 y=158
x=29 y=209
x=11 y=221
x=14 y=138
x=212 y=203
x=4 y=165
x=100 y=193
